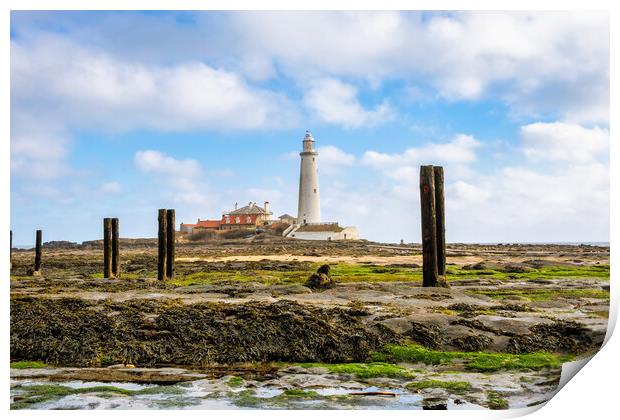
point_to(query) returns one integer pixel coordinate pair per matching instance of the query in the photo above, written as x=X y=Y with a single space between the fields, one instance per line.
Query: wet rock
x=321 y=280
x=514 y=307
x=434 y=404
x=83 y=333
x=516 y=268
x=539 y=263
x=466 y=307
x=476 y=324
x=32 y=272
x=289 y=289
x=427 y=335
x=562 y=336
x=404 y=265
x=478 y=266
x=472 y=342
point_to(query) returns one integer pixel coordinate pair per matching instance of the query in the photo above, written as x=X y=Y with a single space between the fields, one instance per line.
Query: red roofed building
x=201 y=224
x=246 y=217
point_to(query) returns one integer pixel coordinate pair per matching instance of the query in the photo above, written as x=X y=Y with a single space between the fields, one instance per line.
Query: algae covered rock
x=321 y=280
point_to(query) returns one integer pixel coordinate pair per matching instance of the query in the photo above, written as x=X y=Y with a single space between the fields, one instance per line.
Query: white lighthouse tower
x=309 y=210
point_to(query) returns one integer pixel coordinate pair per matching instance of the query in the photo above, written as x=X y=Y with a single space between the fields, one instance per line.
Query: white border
x=593 y=394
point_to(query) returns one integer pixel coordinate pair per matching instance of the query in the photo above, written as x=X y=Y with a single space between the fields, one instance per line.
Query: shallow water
x=207 y=394
x=286 y=387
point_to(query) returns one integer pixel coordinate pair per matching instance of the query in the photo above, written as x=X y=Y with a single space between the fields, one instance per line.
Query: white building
x=309 y=225
x=309 y=208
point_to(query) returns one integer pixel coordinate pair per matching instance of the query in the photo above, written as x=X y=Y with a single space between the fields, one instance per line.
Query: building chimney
x=236 y=205
x=267 y=206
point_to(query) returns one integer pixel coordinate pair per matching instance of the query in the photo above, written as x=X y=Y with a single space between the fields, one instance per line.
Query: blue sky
x=117 y=114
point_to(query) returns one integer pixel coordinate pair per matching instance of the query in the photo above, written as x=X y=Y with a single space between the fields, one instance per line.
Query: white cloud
x=538 y=63
x=522 y=203
x=152 y=161
x=564 y=142
x=38 y=148
x=180 y=179
x=565 y=199
x=335 y=102
x=457 y=155
x=333 y=160
x=88 y=88
x=59 y=87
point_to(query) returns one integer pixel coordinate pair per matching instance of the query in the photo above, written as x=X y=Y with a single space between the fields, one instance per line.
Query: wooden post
x=116 y=259
x=37 y=252
x=170 y=242
x=107 y=248
x=161 y=242
x=429 y=227
x=440 y=221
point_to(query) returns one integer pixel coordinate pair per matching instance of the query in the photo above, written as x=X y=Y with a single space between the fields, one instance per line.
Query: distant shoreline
x=603 y=244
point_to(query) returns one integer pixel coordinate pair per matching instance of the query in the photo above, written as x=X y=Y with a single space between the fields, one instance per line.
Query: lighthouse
x=309 y=210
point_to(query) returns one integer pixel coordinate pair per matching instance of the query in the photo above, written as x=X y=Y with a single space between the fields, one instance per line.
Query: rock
x=560 y=336
x=324 y=269
x=478 y=266
x=434 y=404
x=516 y=268
x=472 y=342
x=321 y=280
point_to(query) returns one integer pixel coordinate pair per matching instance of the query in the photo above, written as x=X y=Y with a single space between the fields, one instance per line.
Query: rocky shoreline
x=505 y=313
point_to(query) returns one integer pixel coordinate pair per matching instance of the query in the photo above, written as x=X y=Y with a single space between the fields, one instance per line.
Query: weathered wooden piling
x=37 y=251
x=116 y=257
x=170 y=243
x=429 y=227
x=161 y=242
x=107 y=248
x=440 y=222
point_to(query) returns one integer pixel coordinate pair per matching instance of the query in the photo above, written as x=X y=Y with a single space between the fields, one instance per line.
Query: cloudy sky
x=117 y=114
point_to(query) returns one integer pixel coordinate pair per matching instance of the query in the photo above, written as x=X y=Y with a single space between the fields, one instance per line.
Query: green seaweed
x=456 y=386
x=28 y=364
x=235 y=382
x=476 y=361
x=544 y=294
x=346 y=273
x=365 y=370
x=495 y=401
x=299 y=393
x=34 y=394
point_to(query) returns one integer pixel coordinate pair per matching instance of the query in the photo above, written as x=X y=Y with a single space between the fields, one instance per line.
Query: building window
x=312 y=159
x=315 y=190
x=249 y=219
x=237 y=220
x=227 y=219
